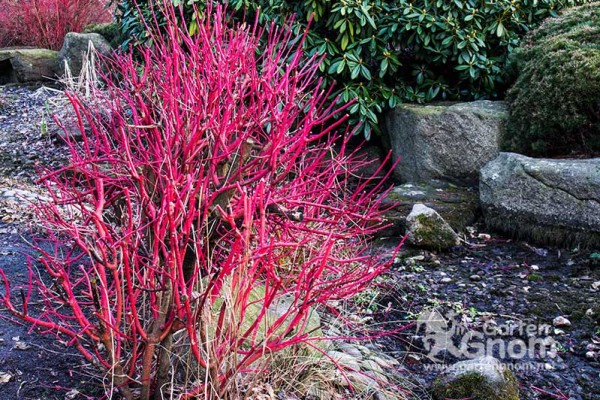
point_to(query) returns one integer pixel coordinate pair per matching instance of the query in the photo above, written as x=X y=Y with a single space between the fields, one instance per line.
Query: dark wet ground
x=35 y=366
x=507 y=291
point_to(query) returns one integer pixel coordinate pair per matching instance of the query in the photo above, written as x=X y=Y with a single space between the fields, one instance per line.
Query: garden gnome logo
x=438 y=333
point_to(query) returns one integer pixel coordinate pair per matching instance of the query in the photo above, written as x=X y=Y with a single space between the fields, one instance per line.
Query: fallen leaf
x=21 y=346
x=5 y=377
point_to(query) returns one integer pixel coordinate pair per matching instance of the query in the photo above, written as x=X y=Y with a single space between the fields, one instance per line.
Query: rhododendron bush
x=44 y=23
x=203 y=218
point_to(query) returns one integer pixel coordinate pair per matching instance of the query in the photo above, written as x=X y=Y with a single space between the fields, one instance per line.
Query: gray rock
x=349 y=349
x=546 y=201
x=459 y=206
x=75 y=47
x=445 y=141
x=344 y=360
x=426 y=228
x=483 y=378
x=27 y=65
x=372 y=157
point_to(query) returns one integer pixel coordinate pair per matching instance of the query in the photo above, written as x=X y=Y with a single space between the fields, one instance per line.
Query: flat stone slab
x=458 y=206
x=445 y=141
x=546 y=201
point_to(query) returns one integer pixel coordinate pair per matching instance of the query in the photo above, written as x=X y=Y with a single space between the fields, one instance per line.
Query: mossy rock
x=479 y=379
x=109 y=31
x=457 y=205
x=545 y=201
x=427 y=229
x=228 y=302
x=444 y=141
x=25 y=65
x=554 y=105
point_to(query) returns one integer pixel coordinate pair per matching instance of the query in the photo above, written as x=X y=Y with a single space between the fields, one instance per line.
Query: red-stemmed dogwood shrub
x=44 y=23
x=203 y=218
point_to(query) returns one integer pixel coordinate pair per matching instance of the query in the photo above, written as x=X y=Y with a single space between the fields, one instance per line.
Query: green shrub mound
x=109 y=31
x=554 y=104
x=381 y=53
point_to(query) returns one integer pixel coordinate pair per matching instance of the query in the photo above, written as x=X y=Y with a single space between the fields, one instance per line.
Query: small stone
x=383 y=396
x=413 y=359
x=475 y=278
x=385 y=363
x=561 y=321
x=558 y=332
x=5 y=377
x=534 y=268
x=589 y=312
x=596 y=285
x=362 y=382
x=365 y=351
x=350 y=350
x=370 y=365
x=446 y=280
x=592 y=347
x=591 y=355
x=344 y=360
x=71 y=394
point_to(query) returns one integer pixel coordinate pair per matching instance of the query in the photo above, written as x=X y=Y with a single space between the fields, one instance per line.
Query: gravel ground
x=493 y=288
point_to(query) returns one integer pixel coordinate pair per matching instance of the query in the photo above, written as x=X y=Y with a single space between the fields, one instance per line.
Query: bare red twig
x=558 y=395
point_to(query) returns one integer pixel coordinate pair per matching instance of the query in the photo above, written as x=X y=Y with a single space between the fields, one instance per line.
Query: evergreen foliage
x=382 y=53
x=555 y=102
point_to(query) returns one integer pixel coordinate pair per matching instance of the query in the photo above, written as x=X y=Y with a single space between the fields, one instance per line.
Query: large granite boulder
x=445 y=141
x=458 y=205
x=483 y=378
x=75 y=47
x=27 y=65
x=546 y=201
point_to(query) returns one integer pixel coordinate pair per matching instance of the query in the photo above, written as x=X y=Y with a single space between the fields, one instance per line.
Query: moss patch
x=430 y=233
x=474 y=386
x=534 y=277
x=554 y=108
x=459 y=206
